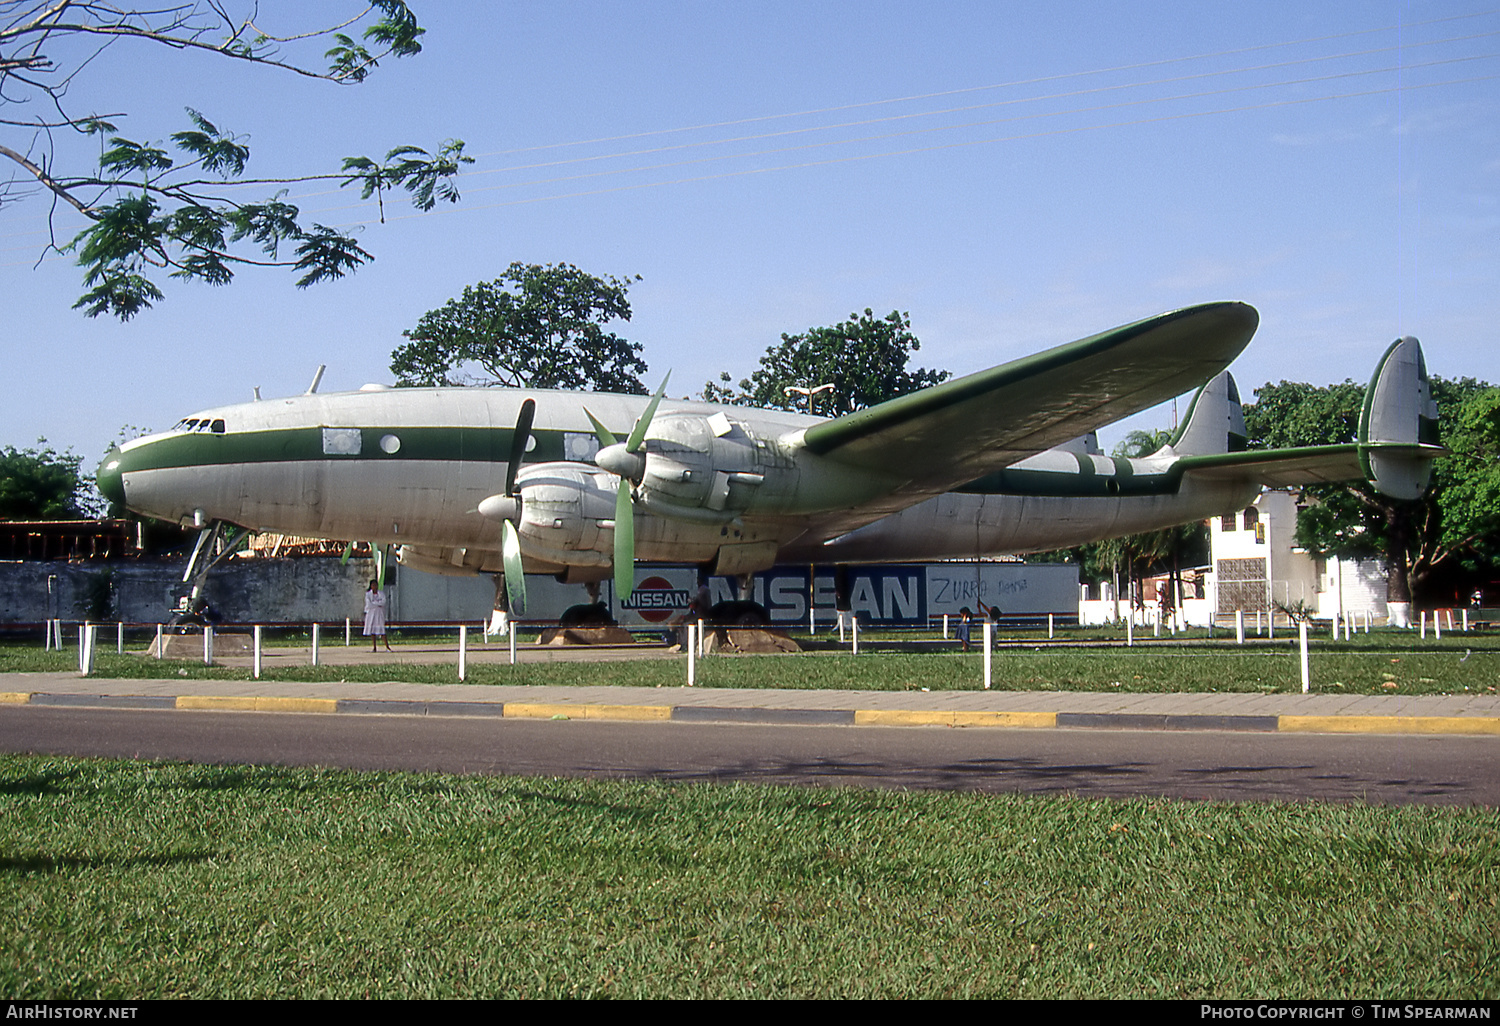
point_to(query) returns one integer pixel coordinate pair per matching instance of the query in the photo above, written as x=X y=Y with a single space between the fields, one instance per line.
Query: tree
x=1453 y=524
x=864 y=358
x=148 y=209
x=42 y=484
x=1468 y=493
x=540 y=326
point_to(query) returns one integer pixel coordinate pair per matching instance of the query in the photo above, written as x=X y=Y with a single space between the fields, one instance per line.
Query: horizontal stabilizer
x=1396 y=446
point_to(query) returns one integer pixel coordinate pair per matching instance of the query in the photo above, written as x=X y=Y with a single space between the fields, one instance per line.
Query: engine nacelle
x=702 y=468
x=567 y=513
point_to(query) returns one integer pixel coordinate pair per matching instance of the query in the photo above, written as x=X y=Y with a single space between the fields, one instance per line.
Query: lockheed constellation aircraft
x=580 y=485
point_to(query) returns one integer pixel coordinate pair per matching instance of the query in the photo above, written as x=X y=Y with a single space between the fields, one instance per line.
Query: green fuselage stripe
x=1085 y=484
x=203 y=448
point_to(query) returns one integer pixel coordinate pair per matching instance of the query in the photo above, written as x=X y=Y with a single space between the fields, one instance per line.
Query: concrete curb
x=641 y=712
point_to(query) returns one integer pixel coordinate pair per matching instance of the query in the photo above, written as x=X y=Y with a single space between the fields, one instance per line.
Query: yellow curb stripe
x=582 y=711
x=1390 y=724
x=14 y=697
x=954 y=718
x=257 y=704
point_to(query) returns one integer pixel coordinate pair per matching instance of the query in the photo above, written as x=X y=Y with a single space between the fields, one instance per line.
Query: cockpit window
x=204 y=424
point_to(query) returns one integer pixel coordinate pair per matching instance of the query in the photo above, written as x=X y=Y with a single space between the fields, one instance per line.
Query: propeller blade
x=638 y=434
x=518 y=440
x=605 y=436
x=624 y=543
x=348 y=551
x=515 y=576
x=381 y=554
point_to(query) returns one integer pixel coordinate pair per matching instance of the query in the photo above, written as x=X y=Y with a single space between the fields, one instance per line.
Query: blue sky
x=1012 y=175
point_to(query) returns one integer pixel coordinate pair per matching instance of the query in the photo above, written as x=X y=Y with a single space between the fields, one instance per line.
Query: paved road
x=1433 y=769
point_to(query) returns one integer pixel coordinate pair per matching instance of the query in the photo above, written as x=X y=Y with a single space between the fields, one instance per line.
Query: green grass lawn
x=145 y=880
x=1394 y=662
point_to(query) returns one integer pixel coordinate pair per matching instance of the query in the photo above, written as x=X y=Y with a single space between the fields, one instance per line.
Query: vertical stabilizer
x=1214 y=424
x=1398 y=426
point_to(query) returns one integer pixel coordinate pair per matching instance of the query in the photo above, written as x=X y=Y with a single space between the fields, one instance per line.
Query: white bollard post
x=316 y=638
x=1239 y=626
x=1156 y=626
x=1437 y=625
x=83 y=649
x=1424 y=624
x=1302 y=639
x=1450 y=621
x=159 y=652
x=1049 y=626
x=841 y=626
x=1466 y=619
x=945 y=626
x=1348 y=628
x=812 y=620
x=1257 y=623
x=692 y=654
x=1271 y=626
x=988 y=657
x=1335 y=626
x=463 y=651
x=348 y=631
x=854 y=632
x=256 y=669
x=208 y=645
x=512 y=633
x=119 y=638
x=1130 y=631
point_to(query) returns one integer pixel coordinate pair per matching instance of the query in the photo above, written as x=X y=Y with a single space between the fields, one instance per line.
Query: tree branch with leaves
x=865 y=359
x=157 y=207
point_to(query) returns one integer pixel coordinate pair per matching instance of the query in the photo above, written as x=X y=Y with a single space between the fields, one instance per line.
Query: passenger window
x=218 y=426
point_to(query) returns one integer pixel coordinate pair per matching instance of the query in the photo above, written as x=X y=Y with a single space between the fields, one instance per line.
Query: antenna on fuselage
x=317 y=377
x=256 y=390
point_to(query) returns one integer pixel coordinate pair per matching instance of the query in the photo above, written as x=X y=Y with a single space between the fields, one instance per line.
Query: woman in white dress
x=375 y=617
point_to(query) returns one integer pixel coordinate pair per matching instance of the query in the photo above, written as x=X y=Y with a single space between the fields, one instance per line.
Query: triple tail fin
x=1215 y=422
x=1398 y=426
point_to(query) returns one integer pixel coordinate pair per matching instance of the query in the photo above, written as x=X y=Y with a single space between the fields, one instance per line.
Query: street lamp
x=809 y=392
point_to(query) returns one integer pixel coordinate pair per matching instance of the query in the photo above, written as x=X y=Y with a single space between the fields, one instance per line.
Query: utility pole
x=809 y=392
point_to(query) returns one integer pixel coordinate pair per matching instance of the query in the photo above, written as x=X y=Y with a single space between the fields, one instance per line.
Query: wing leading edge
x=960 y=430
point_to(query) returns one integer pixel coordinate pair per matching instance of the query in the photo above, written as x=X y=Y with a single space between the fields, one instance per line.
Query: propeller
x=510 y=540
x=627 y=462
x=518 y=439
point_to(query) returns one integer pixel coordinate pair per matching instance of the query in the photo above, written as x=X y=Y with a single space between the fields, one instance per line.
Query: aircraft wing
x=960 y=430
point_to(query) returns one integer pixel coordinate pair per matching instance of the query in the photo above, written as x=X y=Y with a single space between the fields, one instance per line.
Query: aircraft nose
x=109 y=480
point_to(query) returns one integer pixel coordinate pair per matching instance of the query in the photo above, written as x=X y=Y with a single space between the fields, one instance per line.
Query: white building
x=1257 y=567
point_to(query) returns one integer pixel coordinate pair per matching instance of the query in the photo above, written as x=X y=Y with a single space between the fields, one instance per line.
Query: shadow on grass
x=38 y=784
x=27 y=865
